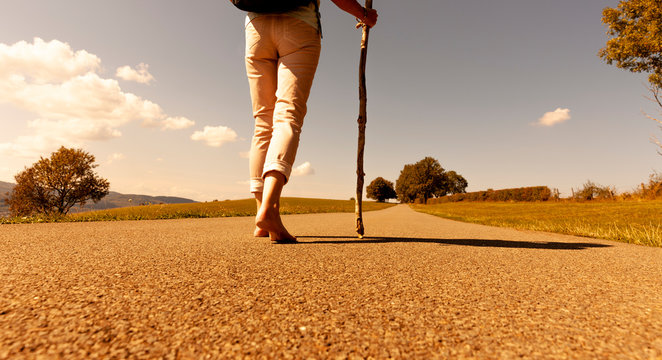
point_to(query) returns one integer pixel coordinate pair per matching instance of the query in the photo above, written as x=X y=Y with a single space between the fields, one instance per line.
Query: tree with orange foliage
x=52 y=186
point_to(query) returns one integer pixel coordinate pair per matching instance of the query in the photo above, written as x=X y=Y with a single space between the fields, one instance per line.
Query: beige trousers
x=281 y=59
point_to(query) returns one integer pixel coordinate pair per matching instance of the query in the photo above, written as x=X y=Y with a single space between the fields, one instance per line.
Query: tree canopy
x=381 y=190
x=54 y=185
x=454 y=184
x=635 y=27
x=426 y=179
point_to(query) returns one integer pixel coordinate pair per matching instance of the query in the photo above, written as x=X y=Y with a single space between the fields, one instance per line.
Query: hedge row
x=536 y=193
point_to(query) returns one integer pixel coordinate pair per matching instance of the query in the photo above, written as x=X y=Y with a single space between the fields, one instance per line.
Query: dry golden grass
x=636 y=222
x=226 y=208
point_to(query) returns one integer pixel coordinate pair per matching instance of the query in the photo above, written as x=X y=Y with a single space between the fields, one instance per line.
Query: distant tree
x=381 y=190
x=406 y=184
x=54 y=185
x=454 y=184
x=636 y=42
x=420 y=180
x=426 y=179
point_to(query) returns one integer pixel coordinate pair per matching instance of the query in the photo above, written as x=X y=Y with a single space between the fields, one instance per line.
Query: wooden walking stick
x=363 y=118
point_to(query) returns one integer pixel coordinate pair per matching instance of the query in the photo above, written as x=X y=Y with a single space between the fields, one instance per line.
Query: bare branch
x=657 y=142
x=655 y=90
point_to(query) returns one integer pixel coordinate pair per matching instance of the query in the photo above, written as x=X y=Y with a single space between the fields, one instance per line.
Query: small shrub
x=592 y=191
x=652 y=190
x=537 y=193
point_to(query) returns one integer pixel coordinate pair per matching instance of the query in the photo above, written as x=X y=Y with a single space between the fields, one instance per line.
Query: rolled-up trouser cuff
x=280 y=166
x=257 y=185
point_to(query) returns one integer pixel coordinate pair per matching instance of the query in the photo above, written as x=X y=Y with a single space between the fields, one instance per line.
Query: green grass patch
x=636 y=222
x=228 y=208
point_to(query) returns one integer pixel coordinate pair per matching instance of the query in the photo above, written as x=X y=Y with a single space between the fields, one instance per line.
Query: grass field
x=226 y=208
x=636 y=222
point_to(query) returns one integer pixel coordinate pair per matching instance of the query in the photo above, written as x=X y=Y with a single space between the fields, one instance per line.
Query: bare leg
x=259 y=232
x=268 y=216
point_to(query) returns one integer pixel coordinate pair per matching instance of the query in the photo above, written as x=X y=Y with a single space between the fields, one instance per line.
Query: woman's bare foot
x=258 y=201
x=268 y=219
x=268 y=213
x=260 y=232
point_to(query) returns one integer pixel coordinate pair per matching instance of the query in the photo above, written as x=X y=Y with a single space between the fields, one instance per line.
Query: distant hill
x=5 y=187
x=113 y=200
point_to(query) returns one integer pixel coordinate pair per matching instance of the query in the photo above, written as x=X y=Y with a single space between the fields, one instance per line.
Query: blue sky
x=466 y=82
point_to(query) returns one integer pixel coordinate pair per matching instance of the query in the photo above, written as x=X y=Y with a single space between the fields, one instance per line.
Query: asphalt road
x=416 y=287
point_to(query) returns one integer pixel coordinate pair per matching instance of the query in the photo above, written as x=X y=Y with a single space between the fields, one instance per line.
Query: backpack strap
x=319 y=17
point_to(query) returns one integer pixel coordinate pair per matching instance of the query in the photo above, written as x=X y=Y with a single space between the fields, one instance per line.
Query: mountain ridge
x=112 y=200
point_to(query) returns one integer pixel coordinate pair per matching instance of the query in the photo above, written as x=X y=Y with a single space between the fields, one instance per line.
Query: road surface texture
x=417 y=287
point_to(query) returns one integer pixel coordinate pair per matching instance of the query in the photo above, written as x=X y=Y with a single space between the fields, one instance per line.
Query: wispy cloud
x=115 y=157
x=554 y=117
x=139 y=75
x=215 y=136
x=72 y=102
x=245 y=154
x=303 y=170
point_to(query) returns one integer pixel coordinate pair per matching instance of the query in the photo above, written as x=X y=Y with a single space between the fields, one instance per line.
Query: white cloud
x=32 y=146
x=45 y=62
x=303 y=170
x=139 y=75
x=115 y=157
x=74 y=129
x=177 y=123
x=554 y=117
x=72 y=103
x=245 y=154
x=215 y=136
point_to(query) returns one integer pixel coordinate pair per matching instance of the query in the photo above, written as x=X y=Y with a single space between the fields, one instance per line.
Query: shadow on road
x=461 y=242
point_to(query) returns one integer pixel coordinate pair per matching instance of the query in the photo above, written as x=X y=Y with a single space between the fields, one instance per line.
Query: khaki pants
x=281 y=59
